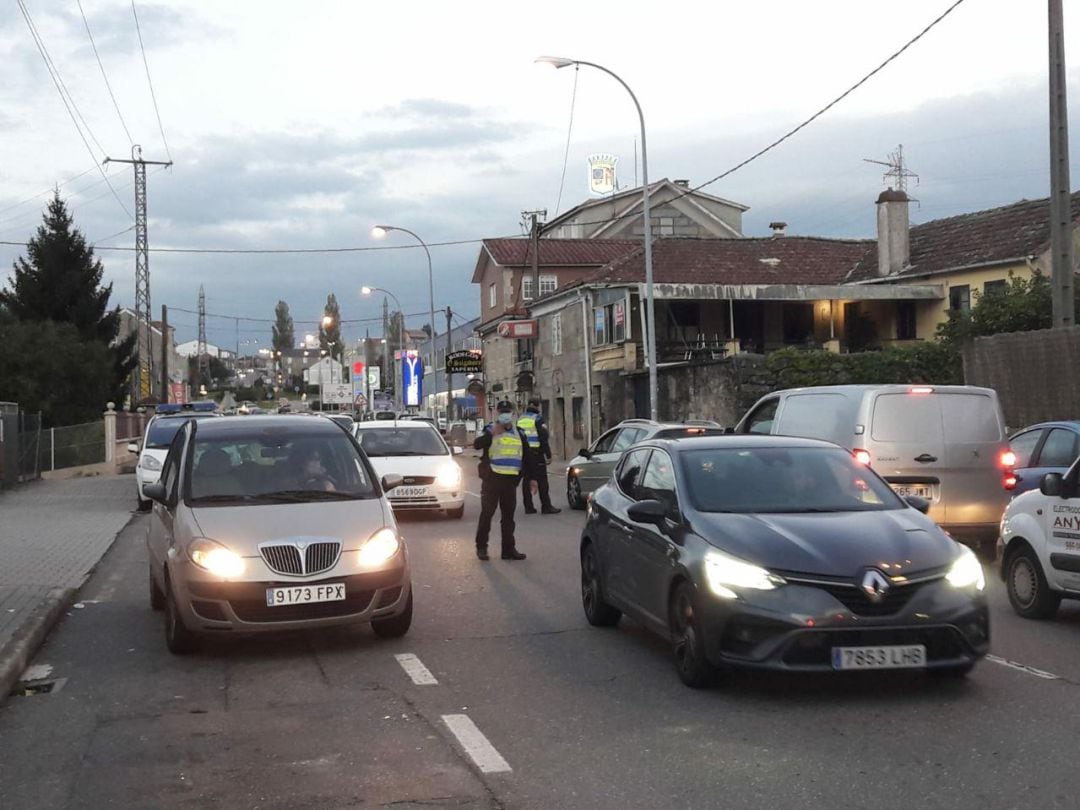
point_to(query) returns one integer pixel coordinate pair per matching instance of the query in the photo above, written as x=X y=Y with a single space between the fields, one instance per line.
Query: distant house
x=177 y=370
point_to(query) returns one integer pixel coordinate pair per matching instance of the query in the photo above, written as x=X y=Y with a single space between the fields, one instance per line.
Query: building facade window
x=905 y=321
x=492 y=296
x=524 y=350
x=998 y=287
x=548 y=285
x=599 y=327
x=960 y=298
x=609 y=324
x=666 y=226
x=577 y=407
x=556 y=334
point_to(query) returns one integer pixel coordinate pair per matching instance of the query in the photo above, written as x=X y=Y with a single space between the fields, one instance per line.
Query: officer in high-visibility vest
x=534 y=477
x=506 y=453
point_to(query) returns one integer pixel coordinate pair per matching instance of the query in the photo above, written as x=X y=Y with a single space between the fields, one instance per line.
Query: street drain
x=32 y=688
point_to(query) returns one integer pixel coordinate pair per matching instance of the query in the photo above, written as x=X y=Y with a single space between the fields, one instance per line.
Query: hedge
x=928 y=363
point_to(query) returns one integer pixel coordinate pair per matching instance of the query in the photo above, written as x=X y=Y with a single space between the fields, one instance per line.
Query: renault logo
x=875 y=585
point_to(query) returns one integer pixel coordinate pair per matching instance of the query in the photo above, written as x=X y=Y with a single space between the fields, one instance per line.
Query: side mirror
x=133 y=447
x=1052 y=485
x=458 y=449
x=155 y=492
x=584 y=452
x=647 y=512
x=921 y=504
x=391 y=481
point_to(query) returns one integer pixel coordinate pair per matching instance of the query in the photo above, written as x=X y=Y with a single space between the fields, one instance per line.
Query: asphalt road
x=532 y=708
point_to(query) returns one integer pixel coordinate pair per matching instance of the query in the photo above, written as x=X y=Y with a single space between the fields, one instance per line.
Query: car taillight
x=1009 y=482
x=862 y=456
x=1007 y=459
x=920 y=389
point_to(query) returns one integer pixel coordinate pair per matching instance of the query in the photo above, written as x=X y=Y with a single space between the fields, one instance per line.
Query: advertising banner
x=412 y=379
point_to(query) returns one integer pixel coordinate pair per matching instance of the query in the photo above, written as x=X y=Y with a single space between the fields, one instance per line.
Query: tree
x=1022 y=306
x=395 y=330
x=330 y=332
x=60 y=281
x=284 y=336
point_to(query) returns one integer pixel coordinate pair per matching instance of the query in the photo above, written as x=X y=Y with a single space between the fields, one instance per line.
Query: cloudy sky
x=301 y=125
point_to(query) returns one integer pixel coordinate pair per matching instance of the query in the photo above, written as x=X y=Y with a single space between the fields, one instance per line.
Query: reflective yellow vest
x=527 y=424
x=505 y=453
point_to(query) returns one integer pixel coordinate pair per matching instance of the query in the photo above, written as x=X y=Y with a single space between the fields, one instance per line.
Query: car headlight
x=215 y=558
x=723 y=571
x=379 y=548
x=966 y=571
x=449 y=476
x=149 y=463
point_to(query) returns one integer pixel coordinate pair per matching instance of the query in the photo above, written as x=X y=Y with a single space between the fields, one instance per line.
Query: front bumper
x=435 y=500
x=795 y=627
x=207 y=603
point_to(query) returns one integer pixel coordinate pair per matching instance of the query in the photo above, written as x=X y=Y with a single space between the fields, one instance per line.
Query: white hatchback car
x=160 y=430
x=1040 y=545
x=414 y=450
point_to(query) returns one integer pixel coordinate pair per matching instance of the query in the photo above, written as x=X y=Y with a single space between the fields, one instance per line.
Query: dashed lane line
x=1038 y=673
x=474 y=494
x=476 y=745
x=416 y=670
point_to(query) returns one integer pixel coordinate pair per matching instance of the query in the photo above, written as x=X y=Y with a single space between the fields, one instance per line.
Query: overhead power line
x=569 y=132
x=317 y=320
x=263 y=251
x=61 y=88
x=104 y=76
x=49 y=190
x=150 y=82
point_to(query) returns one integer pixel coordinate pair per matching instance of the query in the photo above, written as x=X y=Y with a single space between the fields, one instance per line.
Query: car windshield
x=162 y=431
x=276 y=467
x=401 y=442
x=783 y=479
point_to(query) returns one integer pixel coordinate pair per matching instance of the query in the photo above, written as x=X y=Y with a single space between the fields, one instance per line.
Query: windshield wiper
x=222 y=498
x=300 y=495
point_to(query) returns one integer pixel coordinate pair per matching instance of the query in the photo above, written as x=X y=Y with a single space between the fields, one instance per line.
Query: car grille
x=856 y=600
x=814 y=647
x=256 y=610
x=287 y=558
x=418 y=480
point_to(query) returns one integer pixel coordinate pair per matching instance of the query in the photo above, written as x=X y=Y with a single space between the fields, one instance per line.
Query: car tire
x=1029 y=592
x=178 y=638
x=456 y=514
x=688 y=644
x=574 y=496
x=144 y=504
x=395 y=626
x=597 y=611
x=157 y=598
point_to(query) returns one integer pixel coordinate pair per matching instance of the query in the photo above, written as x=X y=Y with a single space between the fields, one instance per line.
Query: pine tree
x=284 y=335
x=330 y=330
x=60 y=281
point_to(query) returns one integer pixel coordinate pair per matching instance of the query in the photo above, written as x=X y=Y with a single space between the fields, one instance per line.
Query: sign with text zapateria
x=466 y=361
x=518 y=329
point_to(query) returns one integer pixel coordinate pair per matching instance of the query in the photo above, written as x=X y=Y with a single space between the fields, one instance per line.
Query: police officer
x=534 y=476
x=505 y=455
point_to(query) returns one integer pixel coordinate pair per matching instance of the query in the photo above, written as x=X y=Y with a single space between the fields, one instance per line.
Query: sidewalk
x=52 y=534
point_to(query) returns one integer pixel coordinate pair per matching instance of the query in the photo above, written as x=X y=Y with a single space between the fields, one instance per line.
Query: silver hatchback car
x=273 y=523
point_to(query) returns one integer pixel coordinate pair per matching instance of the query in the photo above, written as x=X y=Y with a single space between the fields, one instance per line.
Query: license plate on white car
x=410 y=492
x=913 y=490
x=907 y=656
x=305 y=594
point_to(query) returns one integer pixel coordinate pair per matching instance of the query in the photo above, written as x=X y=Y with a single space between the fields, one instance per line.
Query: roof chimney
x=778 y=228
x=893 y=246
x=682 y=183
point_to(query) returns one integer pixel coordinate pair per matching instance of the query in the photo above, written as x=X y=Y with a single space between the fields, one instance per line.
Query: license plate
x=410 y=492
x=305 y=594
x=895 y=657
x=913 y=490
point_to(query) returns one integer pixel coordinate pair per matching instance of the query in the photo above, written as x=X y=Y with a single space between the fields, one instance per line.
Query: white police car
x=160 y=430
x=1040 y=545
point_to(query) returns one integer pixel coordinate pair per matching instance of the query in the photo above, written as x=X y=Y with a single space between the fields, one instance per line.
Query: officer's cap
x=505 y=406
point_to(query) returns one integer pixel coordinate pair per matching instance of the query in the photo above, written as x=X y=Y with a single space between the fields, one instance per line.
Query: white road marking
x=416 y=670
x=474 y=494
x=1038 y=673
x=476 y=745
x=37 y=672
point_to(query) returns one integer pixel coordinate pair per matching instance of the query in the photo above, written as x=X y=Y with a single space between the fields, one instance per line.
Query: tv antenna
x=898 y=173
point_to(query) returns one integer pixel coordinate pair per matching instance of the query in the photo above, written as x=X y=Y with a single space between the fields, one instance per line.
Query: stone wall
x=1036 y=374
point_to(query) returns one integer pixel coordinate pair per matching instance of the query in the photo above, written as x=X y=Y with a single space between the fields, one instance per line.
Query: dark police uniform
x=532 y=425
x=504 y=458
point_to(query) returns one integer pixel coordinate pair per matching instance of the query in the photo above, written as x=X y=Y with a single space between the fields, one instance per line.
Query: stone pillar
x=110 y=433
x=832 y=346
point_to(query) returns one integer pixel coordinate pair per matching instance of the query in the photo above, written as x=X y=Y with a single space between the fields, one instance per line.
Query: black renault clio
x=778 y=553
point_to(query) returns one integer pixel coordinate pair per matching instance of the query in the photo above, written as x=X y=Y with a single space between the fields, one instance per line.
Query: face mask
x=506 y=418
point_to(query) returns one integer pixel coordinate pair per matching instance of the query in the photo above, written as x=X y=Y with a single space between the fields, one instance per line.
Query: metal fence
x=131 y=425
x=72 y=446
x=20 y=434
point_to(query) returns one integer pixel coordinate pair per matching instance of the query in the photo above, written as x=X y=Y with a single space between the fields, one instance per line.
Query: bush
x=929 y=363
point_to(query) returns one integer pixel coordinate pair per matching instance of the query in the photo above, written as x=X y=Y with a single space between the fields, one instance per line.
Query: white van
x=946 y=443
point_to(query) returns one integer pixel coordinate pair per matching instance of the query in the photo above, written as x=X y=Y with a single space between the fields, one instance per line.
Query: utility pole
x=164 y=353
x=367 y=370
x=1061 y=265
x=387 y=365
x=204 y=355
x=446 y=365
x=144 y=370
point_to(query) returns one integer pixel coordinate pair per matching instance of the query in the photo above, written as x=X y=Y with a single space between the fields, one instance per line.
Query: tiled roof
x=559 y=252
x=981 y=237
x=771 y=260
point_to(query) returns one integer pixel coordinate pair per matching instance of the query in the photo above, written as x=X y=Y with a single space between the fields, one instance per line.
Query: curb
x=16 y=654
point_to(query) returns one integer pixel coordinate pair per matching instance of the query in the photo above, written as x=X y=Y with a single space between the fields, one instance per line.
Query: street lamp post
x=401 y=331
x=650 y=312
x=379 y=231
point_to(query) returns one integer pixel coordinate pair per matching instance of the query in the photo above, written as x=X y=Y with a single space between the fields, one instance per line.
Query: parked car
x=1040 y=545
x=778 y=553
x=1040 y=449
x=342 y=419
x=153 y=448
x=943 y=443
x=592 y=466
x=273 y=523
x=413 y=449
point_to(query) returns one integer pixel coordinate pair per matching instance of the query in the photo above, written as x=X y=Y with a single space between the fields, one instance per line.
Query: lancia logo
x=875 y=585
x=301 y=546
